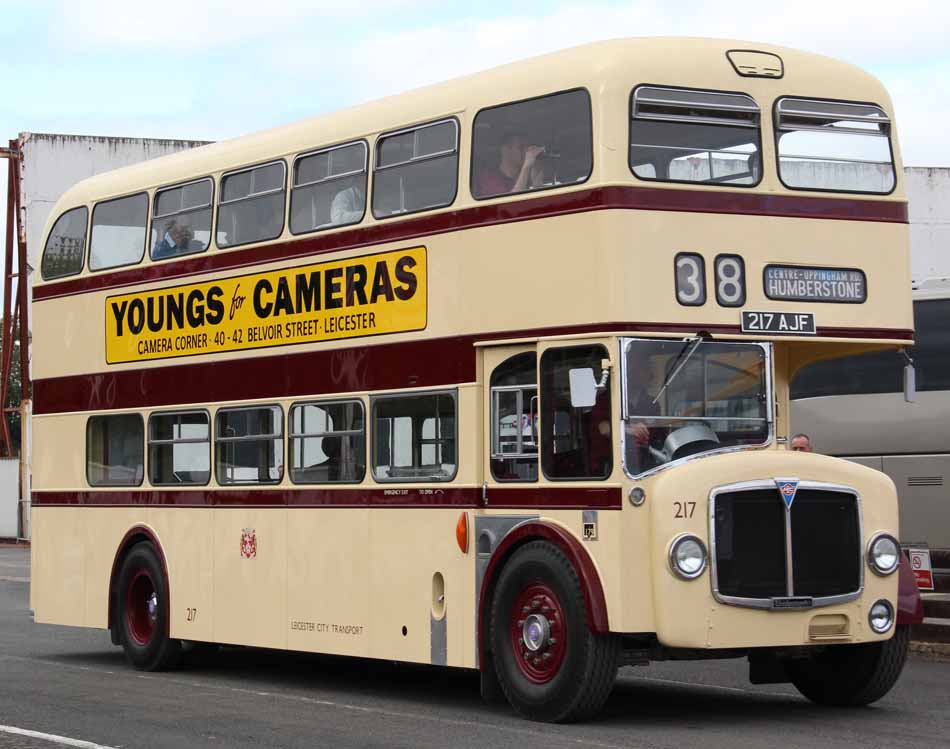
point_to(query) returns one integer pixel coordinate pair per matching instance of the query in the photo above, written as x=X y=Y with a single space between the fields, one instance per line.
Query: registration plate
x=780 y=323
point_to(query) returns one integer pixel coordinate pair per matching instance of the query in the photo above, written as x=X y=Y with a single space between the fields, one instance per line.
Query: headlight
x=687 y=556
x=884 y=554
x=881 y=617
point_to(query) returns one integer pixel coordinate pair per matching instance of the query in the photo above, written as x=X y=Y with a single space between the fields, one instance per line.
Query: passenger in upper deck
x=518 y=168
x=178 y=240
x=347 y=206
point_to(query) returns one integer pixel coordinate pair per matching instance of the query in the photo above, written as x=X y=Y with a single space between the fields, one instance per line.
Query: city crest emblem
x=788 y=488
x=248 y=543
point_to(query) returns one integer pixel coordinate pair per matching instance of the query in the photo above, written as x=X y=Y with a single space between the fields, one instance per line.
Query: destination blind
x=349 y=298
x=807 y=284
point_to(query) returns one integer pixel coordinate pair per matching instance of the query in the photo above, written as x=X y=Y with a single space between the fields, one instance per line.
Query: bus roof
x=602 y=67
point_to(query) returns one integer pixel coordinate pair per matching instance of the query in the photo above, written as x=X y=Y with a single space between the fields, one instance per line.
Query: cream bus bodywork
x=362 y=579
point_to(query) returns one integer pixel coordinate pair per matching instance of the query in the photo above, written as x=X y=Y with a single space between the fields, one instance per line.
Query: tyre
x=142 y=617
x=852 y=675
x=550 y=666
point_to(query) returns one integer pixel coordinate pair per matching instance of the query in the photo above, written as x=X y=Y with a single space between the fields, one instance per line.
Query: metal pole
x=6 y=446
x=23 y=302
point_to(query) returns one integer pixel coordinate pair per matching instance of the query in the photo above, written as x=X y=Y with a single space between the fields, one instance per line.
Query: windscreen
x=684 y=398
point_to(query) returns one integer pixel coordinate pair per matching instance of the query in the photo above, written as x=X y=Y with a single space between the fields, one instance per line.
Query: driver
x=639 y=435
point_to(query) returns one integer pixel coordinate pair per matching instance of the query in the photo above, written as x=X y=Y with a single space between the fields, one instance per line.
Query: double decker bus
x=491 y=375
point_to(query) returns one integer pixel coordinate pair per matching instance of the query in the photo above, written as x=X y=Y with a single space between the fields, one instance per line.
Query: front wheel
x=550 y=666
x=852 y=675
x=142 y=613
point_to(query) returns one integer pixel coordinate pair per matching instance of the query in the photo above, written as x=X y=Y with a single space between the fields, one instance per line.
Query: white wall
x=9 y=496
x=928 y=194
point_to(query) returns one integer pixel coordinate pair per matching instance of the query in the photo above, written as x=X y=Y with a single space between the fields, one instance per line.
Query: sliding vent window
x=705 y=137
x=532 y=145
x=65 y=245
x=252 y=205
x=514 y=404
x=181 y=221
x=115 y=450
x=179 y=448
x=249 y=445
x=118 y=232
x=824 y=145
x=327 y=443
x=329 y=189
x=416 y=169
x=414 y=438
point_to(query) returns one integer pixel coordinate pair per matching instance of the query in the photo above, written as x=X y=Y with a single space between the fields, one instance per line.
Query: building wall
x=928 y=193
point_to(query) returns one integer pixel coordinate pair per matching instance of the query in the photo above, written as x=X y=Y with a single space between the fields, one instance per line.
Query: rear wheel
x=141 y=613
x=550 y=666
x=852 y=675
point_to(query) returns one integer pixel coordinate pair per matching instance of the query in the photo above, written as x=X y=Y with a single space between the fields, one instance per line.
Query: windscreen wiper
x=689 y=347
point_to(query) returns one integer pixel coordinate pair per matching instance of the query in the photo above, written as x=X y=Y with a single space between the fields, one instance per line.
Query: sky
x=213 y=69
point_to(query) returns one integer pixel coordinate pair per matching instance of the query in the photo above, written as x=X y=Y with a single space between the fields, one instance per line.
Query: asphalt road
x=73 y=683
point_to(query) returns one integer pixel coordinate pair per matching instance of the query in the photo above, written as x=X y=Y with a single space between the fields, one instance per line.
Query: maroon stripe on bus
x=436 y=362
x=599 y=198
x=549 y=497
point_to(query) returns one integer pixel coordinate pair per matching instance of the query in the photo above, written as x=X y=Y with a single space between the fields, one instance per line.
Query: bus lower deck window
x=179 y=448
x=414 y=437
x=115 y=450
x=249 y=445
x=327 y=442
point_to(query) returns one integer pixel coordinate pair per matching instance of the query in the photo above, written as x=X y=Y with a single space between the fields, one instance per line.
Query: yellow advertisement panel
x=350 y=298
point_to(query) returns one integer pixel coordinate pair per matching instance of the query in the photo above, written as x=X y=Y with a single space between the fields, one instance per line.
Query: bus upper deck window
x=251 y=208
x=532 y=145
x=683 y=135
x=329 y=188
x=416 y=169
x=65 y=246
x=181 y=220
x=118 y=232
x=826 y=145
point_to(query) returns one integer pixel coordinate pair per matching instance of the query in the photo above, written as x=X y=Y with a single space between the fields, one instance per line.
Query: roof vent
x=751 y=64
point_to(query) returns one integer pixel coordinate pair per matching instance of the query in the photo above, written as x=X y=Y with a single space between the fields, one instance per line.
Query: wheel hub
x=141 y=607
x=538 y=633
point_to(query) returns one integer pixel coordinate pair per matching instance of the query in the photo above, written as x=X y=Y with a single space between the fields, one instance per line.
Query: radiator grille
x=751 y=544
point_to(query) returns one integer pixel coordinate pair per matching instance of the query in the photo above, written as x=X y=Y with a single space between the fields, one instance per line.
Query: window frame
x=343 y=432
x=258 y=438
x=86 y=239
x=250 y=196
x=374 y=399
x=567 y=345
x=191 y=440
x=92 y=225
x=590 y=120
x=428 y=157
x=315 y=152
x=778 y=159
x=155 y=216
x=757 y=129
x=144 y=448
x=770 y=410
